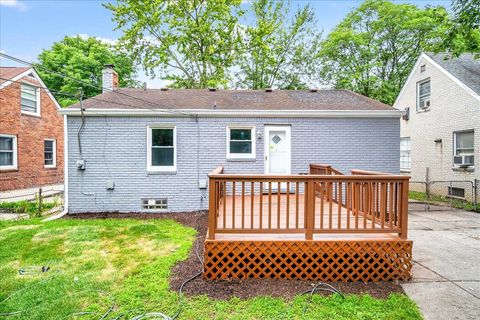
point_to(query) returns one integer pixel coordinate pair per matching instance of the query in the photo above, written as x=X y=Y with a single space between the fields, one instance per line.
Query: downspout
x=81 y=126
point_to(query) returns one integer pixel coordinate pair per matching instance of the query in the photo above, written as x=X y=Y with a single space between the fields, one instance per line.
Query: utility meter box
x=202 y=183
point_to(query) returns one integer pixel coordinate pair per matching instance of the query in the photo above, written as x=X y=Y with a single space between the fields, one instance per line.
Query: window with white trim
x=405 y=151
x=240 y=142
x=162 y=145
x=30 y=99
x=8 y=152
x=50 y=153
x=423 y=95
x=463 y=142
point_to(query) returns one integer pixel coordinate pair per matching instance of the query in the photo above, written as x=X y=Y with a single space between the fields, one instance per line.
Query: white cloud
x=21 y=6
x=104 y=40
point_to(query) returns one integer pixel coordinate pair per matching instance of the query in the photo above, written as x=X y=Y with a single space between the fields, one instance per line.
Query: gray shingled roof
x=234 y=100
x=465 y=68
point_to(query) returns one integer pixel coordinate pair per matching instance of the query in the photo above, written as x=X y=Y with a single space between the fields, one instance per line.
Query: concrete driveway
x=446 y=254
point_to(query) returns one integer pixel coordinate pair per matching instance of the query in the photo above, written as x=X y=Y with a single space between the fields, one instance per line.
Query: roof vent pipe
x=313 y=89
x=212 y=89
x=163 y=89
x=144 y=86
x=268 y=90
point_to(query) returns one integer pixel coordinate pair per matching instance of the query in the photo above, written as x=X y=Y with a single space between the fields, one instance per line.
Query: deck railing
x=327 y=203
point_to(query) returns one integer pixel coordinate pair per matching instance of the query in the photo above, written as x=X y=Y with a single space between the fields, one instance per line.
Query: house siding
x=452 y=109
x=116 y=148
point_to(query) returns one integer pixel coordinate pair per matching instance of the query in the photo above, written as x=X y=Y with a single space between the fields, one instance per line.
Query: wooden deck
x=322 y=226
x=279 y=214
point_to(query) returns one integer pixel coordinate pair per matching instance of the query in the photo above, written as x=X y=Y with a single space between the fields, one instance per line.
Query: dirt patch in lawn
x=244 y=289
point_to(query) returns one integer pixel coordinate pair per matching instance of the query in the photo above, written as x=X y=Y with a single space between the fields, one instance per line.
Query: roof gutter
x=237 y=113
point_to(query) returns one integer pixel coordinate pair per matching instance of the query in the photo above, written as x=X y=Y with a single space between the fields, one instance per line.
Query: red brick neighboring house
x=31 y=131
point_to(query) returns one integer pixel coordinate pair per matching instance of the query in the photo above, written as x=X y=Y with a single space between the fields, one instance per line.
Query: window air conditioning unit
x=463 y=161
x=424 y=104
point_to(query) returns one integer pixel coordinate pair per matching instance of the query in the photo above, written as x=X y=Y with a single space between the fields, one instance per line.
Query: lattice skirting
x=348 y=260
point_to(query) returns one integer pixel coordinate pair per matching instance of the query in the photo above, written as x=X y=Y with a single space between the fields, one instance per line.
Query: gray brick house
x=442 y=130
x=147 y=150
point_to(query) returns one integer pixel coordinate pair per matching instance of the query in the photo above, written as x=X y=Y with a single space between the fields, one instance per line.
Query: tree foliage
x=83 y=59
x=464 y=31
x=192 y=42
x=374 y=48
x=278 y=51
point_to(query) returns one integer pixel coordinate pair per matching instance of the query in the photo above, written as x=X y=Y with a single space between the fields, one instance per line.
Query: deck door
x=277 y=150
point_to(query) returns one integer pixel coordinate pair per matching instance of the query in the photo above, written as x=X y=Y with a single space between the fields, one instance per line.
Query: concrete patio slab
x=446 y=253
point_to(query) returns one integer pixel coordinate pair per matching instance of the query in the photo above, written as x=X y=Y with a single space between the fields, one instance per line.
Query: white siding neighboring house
x=441 y=129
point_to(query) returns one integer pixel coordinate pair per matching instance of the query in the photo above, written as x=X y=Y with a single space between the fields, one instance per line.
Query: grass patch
x=30 y=207
x=96 y=262
x=443 y=200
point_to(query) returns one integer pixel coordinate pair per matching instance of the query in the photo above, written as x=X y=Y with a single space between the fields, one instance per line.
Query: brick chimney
x=109 y=78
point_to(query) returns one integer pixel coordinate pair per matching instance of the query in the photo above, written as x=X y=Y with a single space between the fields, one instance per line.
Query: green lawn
x=96 y=262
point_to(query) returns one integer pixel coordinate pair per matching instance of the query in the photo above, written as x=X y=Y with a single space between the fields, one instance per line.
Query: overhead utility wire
x=63 y=93
x=92 y=85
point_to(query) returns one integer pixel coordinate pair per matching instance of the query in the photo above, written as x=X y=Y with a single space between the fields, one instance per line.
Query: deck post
x=309 y=208
x=212 y=208
x=404 y=211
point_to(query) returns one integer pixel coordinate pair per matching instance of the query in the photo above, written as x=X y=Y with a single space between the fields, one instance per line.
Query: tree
x=374 y=48
x=278 y=51
x=192 y=42
x=464 y=32
x=83 y=59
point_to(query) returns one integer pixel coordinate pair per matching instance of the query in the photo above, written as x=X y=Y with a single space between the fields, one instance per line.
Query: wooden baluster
x=269 y=205
x=252 y=203
x=224 y=204
x=243 y=204
x=212 y=215
x=390 y=210
x=356 y=193
x=288 y=205
x=261 y=205
x=404 y=210
x=297 y=213
x=348 y=201
x=330 y=204
x=383 y=204
x=234 y=192
x=365 y=197
x=374 y=203
x=310 y=209
x=322 y=202
x=278 y=203
x=339 y=203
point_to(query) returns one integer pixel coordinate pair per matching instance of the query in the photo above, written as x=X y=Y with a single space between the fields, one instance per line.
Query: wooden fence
x=322 y=202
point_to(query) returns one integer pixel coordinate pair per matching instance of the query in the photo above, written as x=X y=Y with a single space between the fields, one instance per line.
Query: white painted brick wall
x=119 y=144
x=452 y=109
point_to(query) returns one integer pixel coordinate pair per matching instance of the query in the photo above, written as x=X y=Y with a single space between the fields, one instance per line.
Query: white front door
x=277 y=150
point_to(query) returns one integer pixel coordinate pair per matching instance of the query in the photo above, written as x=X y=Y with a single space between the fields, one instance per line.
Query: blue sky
x=27 y=27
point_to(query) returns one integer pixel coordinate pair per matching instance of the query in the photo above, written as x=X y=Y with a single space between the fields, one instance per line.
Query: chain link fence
x=462 y=194
x=32 y=202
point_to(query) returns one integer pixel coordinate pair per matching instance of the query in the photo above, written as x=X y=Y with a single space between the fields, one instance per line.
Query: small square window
x=241 y=142
x=422 y=68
